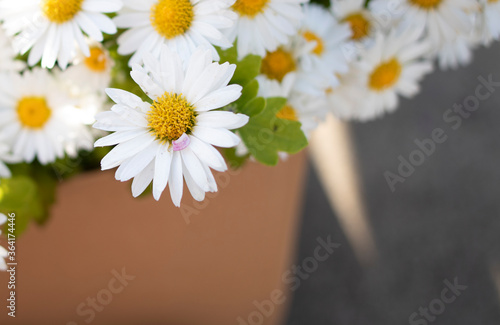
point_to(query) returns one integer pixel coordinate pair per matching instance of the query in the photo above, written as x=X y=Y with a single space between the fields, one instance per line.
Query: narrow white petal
x=162 y=170
x=142 y=180
x=220 y=119
x=125 y=150
x=218 y=137
x=193 y=164
x=175 y=179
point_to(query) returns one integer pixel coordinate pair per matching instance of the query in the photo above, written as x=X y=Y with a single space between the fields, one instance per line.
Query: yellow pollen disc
x=33 y=112
x=310 y=37
x=60 y=11
x=250 y=7
x=385 y=75
x=492 y=1
x=426 y=4
x=172 y=18
x=288 y=113
x=97 y=60
x=360 y=26
x=171 y=116
x=276 y=65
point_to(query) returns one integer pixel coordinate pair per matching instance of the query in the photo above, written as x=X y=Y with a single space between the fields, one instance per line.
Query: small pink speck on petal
x=181 y=143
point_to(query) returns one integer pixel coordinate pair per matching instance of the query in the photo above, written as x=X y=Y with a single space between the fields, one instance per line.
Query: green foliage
x=20 y=195
x=265 y=134
x=246 y=69
x=328 y=3
x=324 y=3
x=31 y=192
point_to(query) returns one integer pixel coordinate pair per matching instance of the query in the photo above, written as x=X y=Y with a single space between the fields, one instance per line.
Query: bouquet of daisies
x=168 y=90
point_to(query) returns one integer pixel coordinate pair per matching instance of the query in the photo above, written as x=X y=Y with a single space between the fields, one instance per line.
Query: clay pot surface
x=206 y=263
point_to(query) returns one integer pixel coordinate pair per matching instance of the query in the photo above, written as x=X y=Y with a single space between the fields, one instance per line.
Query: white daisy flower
x=345 y=100
x=3 y=256
x=393 y=66
x=307 y=109
x=456 y=53
x=3 y=252
x=488 y=21
x=90 y=74
x=53 y=28
x=264 y=25
x=182 y=25
x=37 y=119
x=288 y=59
x=7 y=55
x=362 y=23
x=327 y=38
x=174 y=136
x=86 y=80
x=438 y=20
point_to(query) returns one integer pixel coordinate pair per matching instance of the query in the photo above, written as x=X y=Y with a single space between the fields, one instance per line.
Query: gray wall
x=442 y=223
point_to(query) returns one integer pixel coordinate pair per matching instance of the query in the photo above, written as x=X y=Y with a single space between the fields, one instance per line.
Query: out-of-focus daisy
x=173 y=137
x=345 y=100
x=264 y=25
x=7 y=55
x=182 y=25
x=455 y=53
x=488 y=21
x=91 y=73
x=86 y=81
x=287 y=60
x=327 y=38
x=354 y=13
x=307 y=109
x=53 y=28
x=393 y=66
x=3 y=251
x=37 y=119
x=438 y=20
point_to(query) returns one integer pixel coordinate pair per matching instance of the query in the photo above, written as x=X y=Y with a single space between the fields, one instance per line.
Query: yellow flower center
x=171 y=116
x=276 y=65
x=360 y=25
x=311 y=37
x=60 y=11
x=97 y=61
x=492 y=1
x=33 y=112
x=250 y=7
x=385 y=75
x=287 y=113
x=426 y=4
x=172 y=18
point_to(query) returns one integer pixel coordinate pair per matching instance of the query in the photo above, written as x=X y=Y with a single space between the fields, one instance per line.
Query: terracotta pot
x=205 y=264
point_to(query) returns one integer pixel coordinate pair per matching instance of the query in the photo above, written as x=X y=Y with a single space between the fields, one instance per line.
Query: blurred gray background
x=442 y=223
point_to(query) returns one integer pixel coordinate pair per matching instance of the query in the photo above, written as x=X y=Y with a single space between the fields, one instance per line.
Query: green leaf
x=265 y=134
x=19 y=195
x=229 y=55
x=46 y=187
x=249 y=92
x=253 y=107
x=247 y=69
